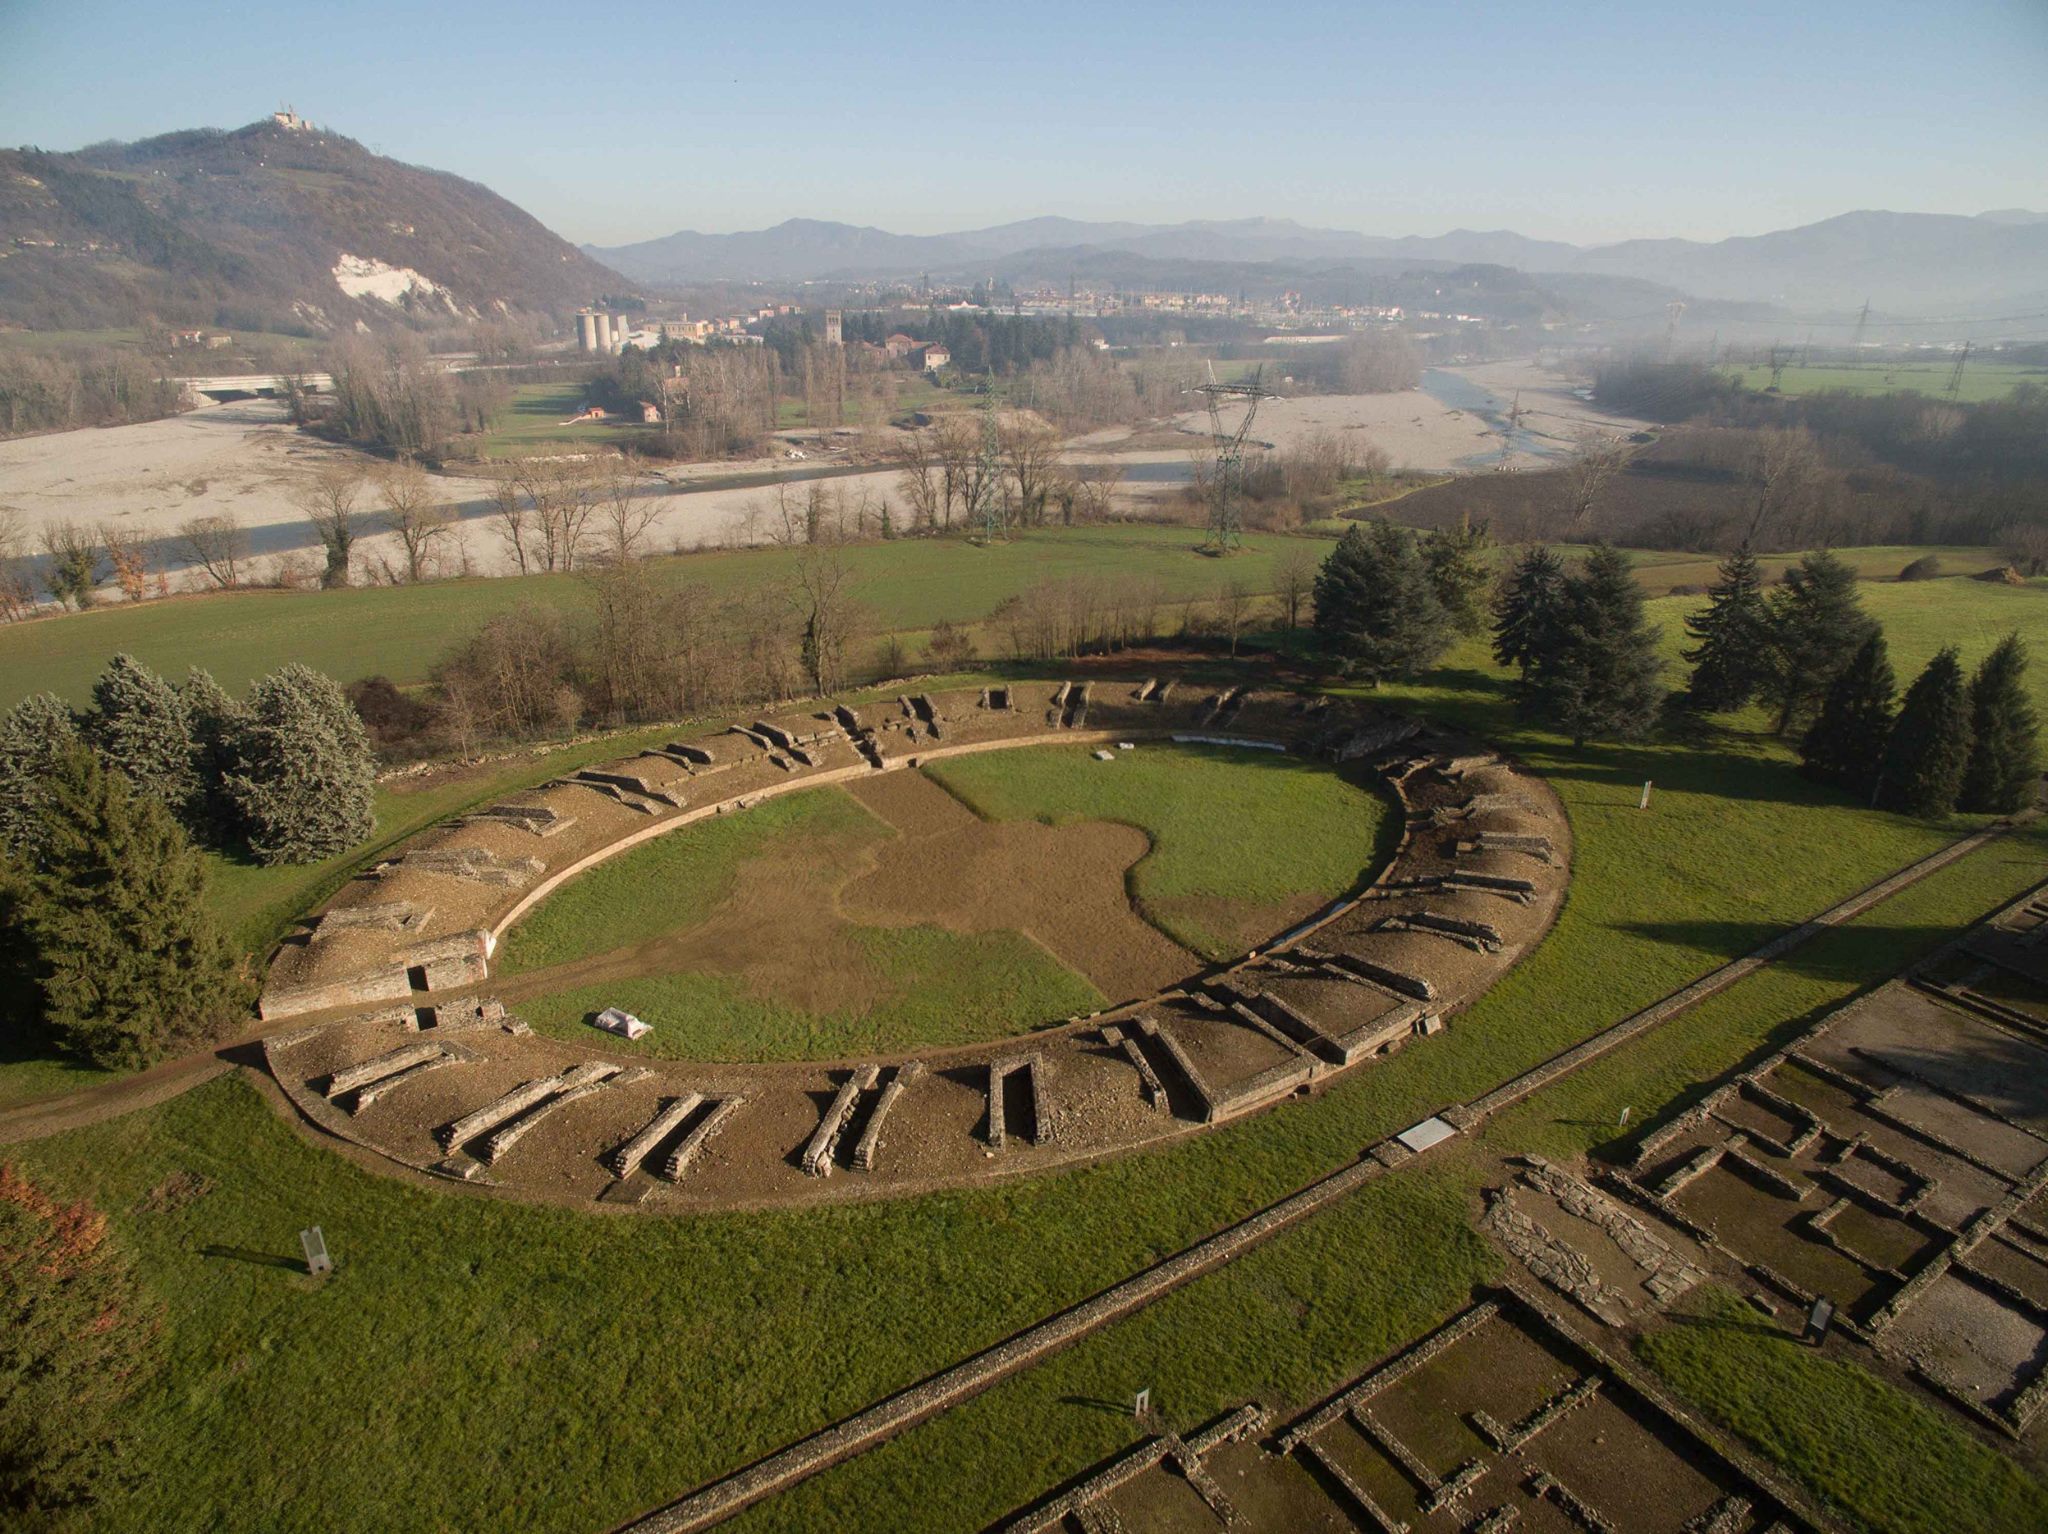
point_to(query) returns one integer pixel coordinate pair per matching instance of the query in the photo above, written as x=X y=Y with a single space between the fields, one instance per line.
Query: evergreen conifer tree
x=2005 y=745
x=1930 y=742
x=1527 y=610
x=139 y=724
x=1731 y=638
x=125 y=955
x=215 y=720
x=1601 y=680
x=304 y=778
x=1846 y=743
x=1377 y=614
x=33 y=735
x=1458 y=572
x=1817 y=624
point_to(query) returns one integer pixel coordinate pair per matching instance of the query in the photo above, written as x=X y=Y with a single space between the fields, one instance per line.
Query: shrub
x=1925 y=568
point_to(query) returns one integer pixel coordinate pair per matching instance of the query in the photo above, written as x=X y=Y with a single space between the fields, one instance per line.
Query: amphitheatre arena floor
x=849 y=970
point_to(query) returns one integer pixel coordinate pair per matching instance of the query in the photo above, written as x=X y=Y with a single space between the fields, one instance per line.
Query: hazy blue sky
x=619 y=120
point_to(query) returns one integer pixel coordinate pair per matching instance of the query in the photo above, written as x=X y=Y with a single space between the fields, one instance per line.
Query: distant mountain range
x=274 y=226
x=1900 y=262
x=284 y=226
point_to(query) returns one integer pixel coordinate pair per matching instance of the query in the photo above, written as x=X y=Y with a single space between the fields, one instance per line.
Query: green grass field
x=1893 y=1464
x=1228 y=828
x=1232 y=832
x=692 y=868
x=937 y=987
x=534 y=420
x=482 y=1328
x=401 y=631
x=1981 y=380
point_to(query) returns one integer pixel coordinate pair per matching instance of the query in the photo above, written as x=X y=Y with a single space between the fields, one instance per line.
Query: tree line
x=1585 y=662
x=106 y=940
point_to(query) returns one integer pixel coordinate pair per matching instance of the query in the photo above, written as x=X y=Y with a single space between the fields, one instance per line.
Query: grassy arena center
x=978 y=897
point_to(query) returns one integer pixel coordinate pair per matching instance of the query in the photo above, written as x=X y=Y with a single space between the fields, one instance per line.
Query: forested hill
x=268 y=227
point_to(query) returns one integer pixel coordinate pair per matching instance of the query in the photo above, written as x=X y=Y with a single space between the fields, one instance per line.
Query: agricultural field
x=1982 y=380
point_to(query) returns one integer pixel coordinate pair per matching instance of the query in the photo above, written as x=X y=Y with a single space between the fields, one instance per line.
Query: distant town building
x=834 y=324
x=291 y=122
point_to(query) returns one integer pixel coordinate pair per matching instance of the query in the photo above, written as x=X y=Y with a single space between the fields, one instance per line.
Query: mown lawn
x=1232 y=832
x=935 y=988
x=1230 y=829
x=651 y=1353
x=1891 y=1463
x=674 y=881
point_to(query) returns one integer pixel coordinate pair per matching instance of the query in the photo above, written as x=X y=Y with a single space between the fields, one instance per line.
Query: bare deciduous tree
x=132 y=557
x=1096 y=485
x=1294 y=580
x=1782 y=470
x=822 y=604
x=1030 y=452
x=217 y=545
x=1236 y=605
x=1586 y=478
x=17 y=589
x=329 y=502
x=413 y=514
x=923 y=480
x=624 y=514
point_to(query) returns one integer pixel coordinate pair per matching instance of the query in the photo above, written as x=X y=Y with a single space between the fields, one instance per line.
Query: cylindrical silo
x=586 y=331
x=604 y=332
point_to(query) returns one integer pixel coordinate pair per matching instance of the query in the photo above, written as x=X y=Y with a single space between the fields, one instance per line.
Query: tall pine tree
x=34 y=734
x=139 y=724
x=1601 y=681
x=304 y=780
x=1377 y=613
x=1930 y=742
x=2005 y=745
x=1731 y=638
x=1527 y=610
x=1458 y=571
x=1847 y=741
x=123 y=951
x=1817 y=626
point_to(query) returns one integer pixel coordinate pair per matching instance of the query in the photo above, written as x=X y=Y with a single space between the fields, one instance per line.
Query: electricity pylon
x=1226 y=488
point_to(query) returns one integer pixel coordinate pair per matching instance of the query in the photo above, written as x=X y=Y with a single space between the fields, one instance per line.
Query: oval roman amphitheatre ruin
x=445 y=998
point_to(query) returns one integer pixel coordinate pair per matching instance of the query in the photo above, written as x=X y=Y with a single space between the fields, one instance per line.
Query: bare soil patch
x=1062 y=886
